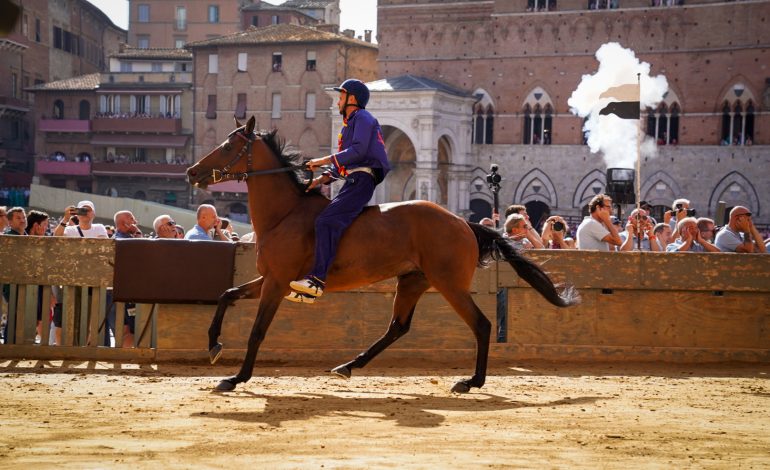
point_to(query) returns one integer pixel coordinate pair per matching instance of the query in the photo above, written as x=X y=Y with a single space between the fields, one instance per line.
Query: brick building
x=51 y=41
x=499 y=74
x=279 y=74
x=126 y=132
x=301 y=12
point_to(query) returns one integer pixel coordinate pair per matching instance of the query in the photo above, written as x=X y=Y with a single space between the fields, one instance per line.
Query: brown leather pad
x=172 y=271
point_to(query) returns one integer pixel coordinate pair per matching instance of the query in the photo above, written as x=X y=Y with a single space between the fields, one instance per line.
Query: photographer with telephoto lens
x=555 y=234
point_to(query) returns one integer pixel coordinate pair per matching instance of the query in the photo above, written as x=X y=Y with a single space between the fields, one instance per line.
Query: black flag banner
x=627 y=106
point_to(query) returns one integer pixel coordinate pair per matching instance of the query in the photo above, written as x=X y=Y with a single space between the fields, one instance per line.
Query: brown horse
x=389 y=240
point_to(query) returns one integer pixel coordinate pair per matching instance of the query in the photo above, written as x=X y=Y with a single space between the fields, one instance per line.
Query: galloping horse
x=389 y=240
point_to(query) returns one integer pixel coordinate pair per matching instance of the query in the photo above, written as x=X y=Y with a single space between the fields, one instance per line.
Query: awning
x=136 y=140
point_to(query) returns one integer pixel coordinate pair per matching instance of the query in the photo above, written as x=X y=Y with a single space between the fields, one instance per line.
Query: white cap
x=86 y=203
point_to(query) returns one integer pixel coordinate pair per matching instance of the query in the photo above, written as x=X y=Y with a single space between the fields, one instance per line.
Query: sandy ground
x=531 y=415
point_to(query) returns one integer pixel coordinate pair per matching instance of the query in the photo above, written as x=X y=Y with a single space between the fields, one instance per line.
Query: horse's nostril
x=193 y=173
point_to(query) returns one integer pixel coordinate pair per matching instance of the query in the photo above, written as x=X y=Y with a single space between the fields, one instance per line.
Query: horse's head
x=226 y=158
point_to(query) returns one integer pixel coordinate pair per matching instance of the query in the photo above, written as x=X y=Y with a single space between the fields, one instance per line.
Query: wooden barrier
x=636 y=307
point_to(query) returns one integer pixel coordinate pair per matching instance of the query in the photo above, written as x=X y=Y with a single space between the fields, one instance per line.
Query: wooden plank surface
x=68 y=316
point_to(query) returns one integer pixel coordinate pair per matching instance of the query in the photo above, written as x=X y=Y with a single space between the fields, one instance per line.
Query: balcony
x=153 y=125
x=64 y=125
x=51 y=167
x=160 y=170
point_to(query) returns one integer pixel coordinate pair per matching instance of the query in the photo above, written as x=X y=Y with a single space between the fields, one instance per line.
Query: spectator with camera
x=554 y=234
x=639 y=226
x=208 y=221
x=520 y=233
x=679 y=210
x=740 y=235
x=690 y=238
x=78 y=222
x=596 y=232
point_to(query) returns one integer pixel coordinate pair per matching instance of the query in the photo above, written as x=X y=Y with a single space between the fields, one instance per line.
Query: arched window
x=58 y=109
x=527 y=125
x=489 y=125
x=737 y=125
x=483 y=124
x=541 y=5
x=538 y=125
x=538 y=118
x=663 y=124
x=85 y=110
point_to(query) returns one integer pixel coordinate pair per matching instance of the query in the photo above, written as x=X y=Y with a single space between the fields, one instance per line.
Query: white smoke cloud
x=616 y=138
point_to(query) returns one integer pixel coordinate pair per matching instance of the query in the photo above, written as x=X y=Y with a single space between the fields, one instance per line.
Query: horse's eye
x=228 y=147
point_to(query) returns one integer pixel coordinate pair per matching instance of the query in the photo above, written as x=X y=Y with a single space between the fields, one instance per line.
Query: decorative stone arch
x=589 y=186
x=402 y=157
x=538 y=96
x=736 y=190
x=737 y=89
x=536 y=186
x=478 y=186
x=660 y=189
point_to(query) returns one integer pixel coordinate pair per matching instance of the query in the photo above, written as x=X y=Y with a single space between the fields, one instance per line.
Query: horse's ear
x=238 y=124
x=250 y=125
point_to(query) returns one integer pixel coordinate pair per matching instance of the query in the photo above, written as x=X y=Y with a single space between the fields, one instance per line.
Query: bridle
x=225 y=175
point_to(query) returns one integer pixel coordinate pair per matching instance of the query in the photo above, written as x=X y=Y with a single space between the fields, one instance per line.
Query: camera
x=558 y=226
x=493 y=177
x=82 y=211
x=691 y=212
x=75 y=220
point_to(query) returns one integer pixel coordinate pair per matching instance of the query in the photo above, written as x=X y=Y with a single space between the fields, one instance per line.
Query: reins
x=224 y=174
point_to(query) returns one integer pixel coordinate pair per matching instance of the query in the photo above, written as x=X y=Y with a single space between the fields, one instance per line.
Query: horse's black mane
x=286 y=158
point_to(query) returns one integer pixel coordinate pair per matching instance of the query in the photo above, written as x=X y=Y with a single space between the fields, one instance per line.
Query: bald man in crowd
x=208 y=220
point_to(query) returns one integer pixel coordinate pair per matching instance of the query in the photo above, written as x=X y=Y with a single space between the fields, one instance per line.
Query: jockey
x=360 y=159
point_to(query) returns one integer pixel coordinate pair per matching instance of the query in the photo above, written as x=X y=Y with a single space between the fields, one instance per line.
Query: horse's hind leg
x=463 y=303
x=408 y=291
x=250 y=290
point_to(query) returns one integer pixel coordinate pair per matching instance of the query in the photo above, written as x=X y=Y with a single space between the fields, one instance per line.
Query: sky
x=356 y=14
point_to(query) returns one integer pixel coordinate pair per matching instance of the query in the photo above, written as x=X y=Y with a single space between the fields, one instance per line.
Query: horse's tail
x=494 y=246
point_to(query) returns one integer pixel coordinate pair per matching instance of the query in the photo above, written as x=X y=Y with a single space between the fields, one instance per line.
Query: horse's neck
x=271 y=199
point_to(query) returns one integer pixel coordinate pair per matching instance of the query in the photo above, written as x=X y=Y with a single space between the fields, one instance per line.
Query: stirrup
x=310 y=286
x=300 y=298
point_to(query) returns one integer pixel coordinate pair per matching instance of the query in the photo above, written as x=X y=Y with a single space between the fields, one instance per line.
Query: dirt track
x=533 y=415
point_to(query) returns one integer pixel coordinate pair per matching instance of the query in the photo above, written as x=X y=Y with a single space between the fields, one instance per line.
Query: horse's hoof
x=461 y=387
x=342 y=371
x=215 y=352
x=225 y=386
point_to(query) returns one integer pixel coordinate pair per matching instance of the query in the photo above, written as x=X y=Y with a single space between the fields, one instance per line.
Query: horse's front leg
x=250 y=290
x=272 y=295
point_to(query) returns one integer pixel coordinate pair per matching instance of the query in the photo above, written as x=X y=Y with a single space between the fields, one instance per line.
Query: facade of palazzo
x=474 y=82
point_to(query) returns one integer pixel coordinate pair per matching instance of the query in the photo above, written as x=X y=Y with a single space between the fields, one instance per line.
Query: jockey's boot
x=300 y=298
x=310 y=285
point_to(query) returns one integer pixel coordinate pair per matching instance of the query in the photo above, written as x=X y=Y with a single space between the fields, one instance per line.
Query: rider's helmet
x=356 y=88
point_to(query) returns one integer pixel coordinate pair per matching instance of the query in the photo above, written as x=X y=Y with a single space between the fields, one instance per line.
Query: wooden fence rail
x=636 y=306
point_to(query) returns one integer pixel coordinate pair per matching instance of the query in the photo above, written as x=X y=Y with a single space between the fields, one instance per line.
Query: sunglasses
x=171 y=223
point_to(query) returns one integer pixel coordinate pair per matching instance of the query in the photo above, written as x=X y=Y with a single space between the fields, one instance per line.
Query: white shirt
x=96 y=231
x=590 y=234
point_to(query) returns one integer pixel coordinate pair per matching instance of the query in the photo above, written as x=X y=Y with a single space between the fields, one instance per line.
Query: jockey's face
x=345 y=99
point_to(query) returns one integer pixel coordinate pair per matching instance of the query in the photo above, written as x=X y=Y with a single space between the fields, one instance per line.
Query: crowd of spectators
x=78 y=220
x=679 y=231
x=137 y=115
x=15 y=196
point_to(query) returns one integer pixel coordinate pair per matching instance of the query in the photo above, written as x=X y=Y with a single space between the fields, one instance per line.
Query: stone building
x=51 y=41
x=279 y=74
x=301 y=12
x=479 y=82
x=126 y=132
